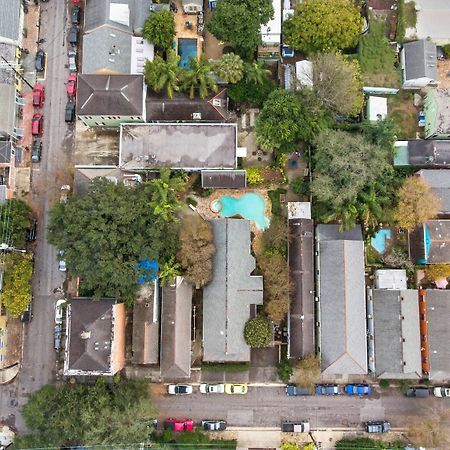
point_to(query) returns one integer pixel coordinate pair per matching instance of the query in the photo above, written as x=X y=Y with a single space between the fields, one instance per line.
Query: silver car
x=212 y=388
x=72 y=60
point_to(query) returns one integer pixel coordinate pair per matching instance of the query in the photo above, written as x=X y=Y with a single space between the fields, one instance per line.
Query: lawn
x=377 y=59
x=402 y=111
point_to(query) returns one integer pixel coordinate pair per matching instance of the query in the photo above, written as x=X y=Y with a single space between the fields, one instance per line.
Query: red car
x=71 y=86
x=37 y=125
x=38 y=95
x=179 y=424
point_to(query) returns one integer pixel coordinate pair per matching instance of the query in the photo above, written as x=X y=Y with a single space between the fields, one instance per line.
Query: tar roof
x=224 y=179
x=179 y=146
x=422 y=152
x=397 y=333
x=227 y=298
x=175 y=354
x=342 y=300
x=436 y=234
x=420 y=60
x=439 y=181
x=110 y=95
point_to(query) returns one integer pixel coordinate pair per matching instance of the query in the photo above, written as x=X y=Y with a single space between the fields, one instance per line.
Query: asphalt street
x=39 y=357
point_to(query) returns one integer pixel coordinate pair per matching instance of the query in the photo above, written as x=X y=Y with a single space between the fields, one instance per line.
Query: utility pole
x=17 y=73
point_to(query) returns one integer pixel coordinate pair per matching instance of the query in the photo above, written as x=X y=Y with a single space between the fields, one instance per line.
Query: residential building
x=430 y=243
x=394 y=333
x=439 y=182
x=193 y=146
x=232 y=292
x=376 y=108
x=433 y=18
x=342 y=300
x=110 y=100
x=192 y=6
x=301 y=323
x=419 y=64
x=9 y=156
x=269 y=50
x=391 y=279
x=182 y=108
x=437 y=114
x=422 y=153
x=95 y=337
x=176 y=323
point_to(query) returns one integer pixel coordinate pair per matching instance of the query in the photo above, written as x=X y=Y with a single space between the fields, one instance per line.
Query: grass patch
x=377 y=59
x=410 y=15
x=226 y=367
x=402 y=111
x=275 y=200
x=364 y=442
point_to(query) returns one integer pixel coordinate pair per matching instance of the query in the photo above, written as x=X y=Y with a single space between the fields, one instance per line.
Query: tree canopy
x=323 y=26
x=199 y=76
x=105 y=233
x=229 y=68
x=163 y=74
x=82 y=414
x=15 y=221
x=239 y=22
x=258 y=332
x=159 y=29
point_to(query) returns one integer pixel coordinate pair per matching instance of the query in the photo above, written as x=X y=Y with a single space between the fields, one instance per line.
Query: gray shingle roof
x=224 y=179
x=397 y=333
x=110 y=95
x=342 y=300
x=420 y=60
x=10 y=19
x=227 y=298
x=439 y=181
x=175 y=353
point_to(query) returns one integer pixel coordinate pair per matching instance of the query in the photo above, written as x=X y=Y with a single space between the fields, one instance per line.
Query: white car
x=212 y=388
x=179 y=389
x=441 y=391
x=72 y=60
x=59 y=311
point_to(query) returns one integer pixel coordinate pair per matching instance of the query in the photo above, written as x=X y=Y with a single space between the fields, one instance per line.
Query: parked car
x=295 y=427
x=38 y=95
x=236 y=389
x=72 y=60
x=69 y=114
x=358 y=389
x=378 y=427
x=214 y=425
x=328 y=389
x=441 y=391
x=36 y=150
x=75 y=13
x=32 y=231
x=71 y=85
x=37 y=124
x=294 y=391
x=59 y=311
x=64 y=196
x=39 y=60
x=212 y=388
x=418 y=392
x=27 y=315
x=57 y=336
x=179 y=424
x=179 y=389
x=73 y=35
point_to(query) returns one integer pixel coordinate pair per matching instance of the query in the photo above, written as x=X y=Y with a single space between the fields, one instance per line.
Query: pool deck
x=182 y=32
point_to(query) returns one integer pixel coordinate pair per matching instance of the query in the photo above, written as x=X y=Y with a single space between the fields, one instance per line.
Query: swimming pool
x=379 y=240
x=186 y=49
x=250 y=206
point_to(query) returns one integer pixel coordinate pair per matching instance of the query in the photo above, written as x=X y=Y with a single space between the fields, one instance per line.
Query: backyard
x=402 y=111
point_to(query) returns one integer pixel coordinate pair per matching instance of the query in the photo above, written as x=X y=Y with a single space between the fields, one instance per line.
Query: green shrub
x=254 y=176
x=284 y=370
x=276 y=202
x=226 y=367
x=258 y=332
x=446 y=50
x=384 y=384
x=245 y=91
x=206 y=192
x=401 y=21
x=191 y=201
x=300 y=185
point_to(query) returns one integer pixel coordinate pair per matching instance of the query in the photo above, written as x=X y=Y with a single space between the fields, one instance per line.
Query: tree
x=275 y=237
x=434 y=272
x=239 y=22
x=199 y=77
x=307 y=372
x=382 y=133
x=105 y=233
x=323 y=26
x=101 y=414
x=284 y=370
x=416 y=203
x=249 y=92
x=289 y=446
x=258 y=332
x=159 y=29
x=230 y=68
x=196 y=250
x=337 y=83
x=254 y=72
x=16 y=292
x=169 y=271
x=16 y=217
x=164 y=75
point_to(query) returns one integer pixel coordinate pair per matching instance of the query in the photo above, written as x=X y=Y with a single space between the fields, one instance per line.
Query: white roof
x=304 y=72
x=120 y=13
x=390 y=279
x=299 y=210
x=141 y=50
x=376 y=108
x=271 y=32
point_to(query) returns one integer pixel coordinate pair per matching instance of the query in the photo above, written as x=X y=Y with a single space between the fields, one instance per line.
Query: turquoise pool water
x=379 y=240
x=187 y=48
x=250 y=206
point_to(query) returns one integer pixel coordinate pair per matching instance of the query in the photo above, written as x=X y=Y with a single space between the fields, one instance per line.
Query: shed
x=390 y=279
x=376 y=108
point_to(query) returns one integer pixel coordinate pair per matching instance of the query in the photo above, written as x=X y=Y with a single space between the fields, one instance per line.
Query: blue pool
x=250 y=206
x=379 y=240
x=186 y=49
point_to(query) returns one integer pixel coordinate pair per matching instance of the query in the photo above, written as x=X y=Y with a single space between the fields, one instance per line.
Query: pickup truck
x=378 y=427
x=293 y=391
x=295 y=427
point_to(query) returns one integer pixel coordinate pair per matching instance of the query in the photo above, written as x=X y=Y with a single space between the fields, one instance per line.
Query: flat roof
x=189 y=146
x=376 y=108
x=390 y=279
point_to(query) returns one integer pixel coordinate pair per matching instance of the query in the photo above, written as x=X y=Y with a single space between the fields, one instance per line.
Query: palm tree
x=199 y=76
x=373 y=201
x=164 y=75
x=255 y=72
x=230 y=68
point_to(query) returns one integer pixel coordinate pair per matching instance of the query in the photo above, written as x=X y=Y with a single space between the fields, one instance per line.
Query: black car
x=36 y=150
x=39 y=62
x=75 y=14
x=27 y=315
x=32 y=231
x=70 y=112
x=73 y=35
x=420 y=392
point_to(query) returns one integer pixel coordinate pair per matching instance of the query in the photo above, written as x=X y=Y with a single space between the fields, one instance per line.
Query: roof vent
x=147 y=305
x=85 y=334
x=197 y=116
x=217 y=102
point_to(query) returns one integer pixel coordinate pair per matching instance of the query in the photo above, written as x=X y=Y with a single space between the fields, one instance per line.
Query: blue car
x=328 y=389
x=358 y=389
